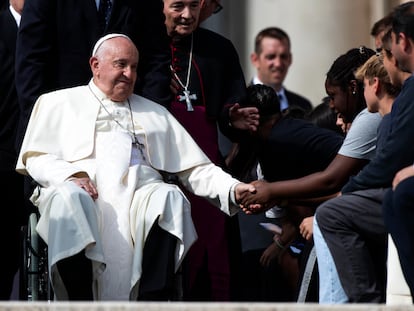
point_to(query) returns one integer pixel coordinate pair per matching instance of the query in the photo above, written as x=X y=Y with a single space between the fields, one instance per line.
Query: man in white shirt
x=272 y=58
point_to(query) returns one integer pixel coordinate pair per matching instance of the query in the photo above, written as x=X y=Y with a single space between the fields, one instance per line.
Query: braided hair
x=342 y=74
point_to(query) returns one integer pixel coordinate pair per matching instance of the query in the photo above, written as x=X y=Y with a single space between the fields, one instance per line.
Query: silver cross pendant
x=188 y=97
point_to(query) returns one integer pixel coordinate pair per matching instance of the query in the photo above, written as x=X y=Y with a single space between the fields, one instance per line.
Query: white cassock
x=70 y=132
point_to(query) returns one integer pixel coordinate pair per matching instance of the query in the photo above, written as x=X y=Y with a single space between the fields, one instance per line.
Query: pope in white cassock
x=97 y=151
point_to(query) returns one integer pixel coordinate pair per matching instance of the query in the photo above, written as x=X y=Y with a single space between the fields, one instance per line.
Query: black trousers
x=398 y=209
x=158 y=276
x=11 y=192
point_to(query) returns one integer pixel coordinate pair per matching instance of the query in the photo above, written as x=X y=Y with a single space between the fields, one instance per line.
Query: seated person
x=285 y=148
x=114 y=229
x=346 y=98
x=356 y=239
x=324 y=116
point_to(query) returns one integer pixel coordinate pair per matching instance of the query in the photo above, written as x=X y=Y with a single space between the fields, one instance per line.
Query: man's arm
x=318 y=184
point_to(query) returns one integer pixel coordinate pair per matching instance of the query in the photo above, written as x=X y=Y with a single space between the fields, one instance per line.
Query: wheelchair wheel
x=34 y=276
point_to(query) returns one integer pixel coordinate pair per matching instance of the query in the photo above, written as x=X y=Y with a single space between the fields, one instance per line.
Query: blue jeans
x=330 y=288
x=353 y=228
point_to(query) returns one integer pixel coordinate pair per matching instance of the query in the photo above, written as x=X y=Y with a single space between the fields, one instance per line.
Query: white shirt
x=284 y=104
x=16 y=15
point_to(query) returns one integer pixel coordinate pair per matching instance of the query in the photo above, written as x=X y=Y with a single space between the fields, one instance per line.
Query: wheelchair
x=34 y=281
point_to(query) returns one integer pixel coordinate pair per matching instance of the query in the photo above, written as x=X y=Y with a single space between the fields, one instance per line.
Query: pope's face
x=115 y=68
x=181 y=16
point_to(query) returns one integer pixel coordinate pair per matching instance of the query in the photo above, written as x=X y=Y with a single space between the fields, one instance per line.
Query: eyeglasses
x=382 y=50
x=378 y=51
x=218 y=8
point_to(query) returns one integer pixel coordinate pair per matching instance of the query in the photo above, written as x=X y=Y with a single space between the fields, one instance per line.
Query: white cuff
x=232 y=194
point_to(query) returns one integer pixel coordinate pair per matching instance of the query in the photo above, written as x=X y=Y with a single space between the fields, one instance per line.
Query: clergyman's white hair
x=107 y=37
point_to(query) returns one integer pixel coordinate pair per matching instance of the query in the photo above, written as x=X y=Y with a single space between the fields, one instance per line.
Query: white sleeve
x=48 y=170
x=212 y=183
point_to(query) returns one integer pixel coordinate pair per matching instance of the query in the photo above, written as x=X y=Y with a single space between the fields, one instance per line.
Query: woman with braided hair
x=347 y=99
x=341 y=79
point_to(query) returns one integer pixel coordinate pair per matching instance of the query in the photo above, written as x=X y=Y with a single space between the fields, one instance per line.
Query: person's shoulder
x=210 y=33
x=62 y=95
x=409 y=80
x=364 y=115
x=296 y=124
x=144 y=104
x=407 y=86
x=67 y=90
x=304 y=131
x=207 y=34
x=365 y=124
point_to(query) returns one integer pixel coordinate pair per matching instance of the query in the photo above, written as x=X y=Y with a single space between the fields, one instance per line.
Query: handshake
x=255 y=197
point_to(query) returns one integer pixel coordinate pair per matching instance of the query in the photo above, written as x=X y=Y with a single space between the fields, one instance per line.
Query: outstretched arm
x=241 y=189
x=315 y=185
x=215 y=185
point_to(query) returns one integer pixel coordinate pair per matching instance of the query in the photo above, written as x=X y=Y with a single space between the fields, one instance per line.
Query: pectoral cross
x=188 y=97
x=138 y=145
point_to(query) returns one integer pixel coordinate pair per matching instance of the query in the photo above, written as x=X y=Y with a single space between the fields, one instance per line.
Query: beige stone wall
x=320 y=31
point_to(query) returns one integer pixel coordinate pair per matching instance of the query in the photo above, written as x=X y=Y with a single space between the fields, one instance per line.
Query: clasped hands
x=257 y=198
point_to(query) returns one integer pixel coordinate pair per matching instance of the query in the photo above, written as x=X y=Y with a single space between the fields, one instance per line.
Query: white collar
x=16 y=15
x=256 y=80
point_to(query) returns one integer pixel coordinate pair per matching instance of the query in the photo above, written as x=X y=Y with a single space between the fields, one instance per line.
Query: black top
x=294 y=148
x=216 y=74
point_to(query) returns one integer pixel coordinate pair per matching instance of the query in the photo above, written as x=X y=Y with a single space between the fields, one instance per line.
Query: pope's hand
x=261 y=196
x=86 y=184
